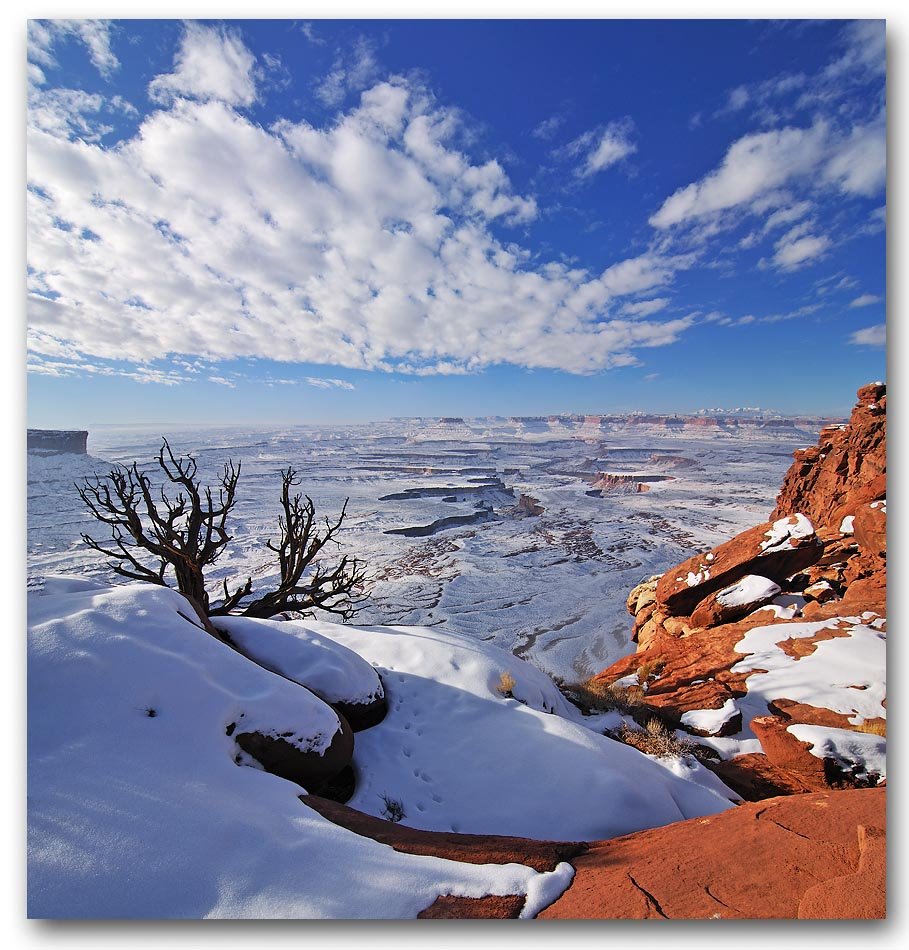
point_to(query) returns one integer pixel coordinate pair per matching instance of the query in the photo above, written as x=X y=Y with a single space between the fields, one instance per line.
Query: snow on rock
x=857 y=751
x=786 y=530
x=137 y=809
x=845 y=674
x=749 y=590
x=847 y=524
x=291 y=649
x=734 y=601
x=711 y=722
x=459 y=756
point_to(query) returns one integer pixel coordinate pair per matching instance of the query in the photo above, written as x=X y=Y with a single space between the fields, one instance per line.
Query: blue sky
x=341 y=221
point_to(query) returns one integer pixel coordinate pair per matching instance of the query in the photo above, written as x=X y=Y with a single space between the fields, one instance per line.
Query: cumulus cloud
x=603 y=147
x=759 y=164
x=212 y=63
x=870 y=336
x=865 y=300
x=753 y=165
x=372 y=243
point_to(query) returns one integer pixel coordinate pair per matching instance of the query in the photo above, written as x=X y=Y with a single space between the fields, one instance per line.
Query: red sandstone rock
x=775 y=550
x=870 y=527
x=736 y=600
x=818 y=855
x=847 y=467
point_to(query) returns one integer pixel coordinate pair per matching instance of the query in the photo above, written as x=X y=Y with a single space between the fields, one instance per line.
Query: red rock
x=870 y=527
x=786 y=752
x=848 y=466
x=817 y=855
x=735 y=601
x=775 y=550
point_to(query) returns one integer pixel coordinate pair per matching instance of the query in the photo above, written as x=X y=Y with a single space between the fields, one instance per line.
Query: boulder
x=734 y=601
x=774 y=550
x=308 y=768
x=870 y=528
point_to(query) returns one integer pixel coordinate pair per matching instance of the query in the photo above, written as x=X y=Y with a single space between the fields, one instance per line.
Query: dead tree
x=154 y=536
x=336 y=589
x=183 y=535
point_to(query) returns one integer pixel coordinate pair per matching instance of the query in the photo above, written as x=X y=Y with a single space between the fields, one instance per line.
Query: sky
x=339 y=221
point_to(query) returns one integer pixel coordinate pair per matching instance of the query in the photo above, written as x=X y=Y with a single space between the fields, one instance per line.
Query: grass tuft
x=506 y=685
x=654 y=739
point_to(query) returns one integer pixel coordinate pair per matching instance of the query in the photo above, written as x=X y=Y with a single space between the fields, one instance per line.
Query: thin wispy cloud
x=865 y=300
x=870 y=336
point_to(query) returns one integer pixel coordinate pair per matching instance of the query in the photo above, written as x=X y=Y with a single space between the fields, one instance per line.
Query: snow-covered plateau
x=436 y=511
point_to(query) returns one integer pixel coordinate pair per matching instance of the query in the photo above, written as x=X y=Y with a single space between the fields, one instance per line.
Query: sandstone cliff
x=770 y=648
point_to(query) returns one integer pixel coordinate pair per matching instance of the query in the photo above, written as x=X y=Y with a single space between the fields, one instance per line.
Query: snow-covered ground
x=140 y=806
x=550 y=588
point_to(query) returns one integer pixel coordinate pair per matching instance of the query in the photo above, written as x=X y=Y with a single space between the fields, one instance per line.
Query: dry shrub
x=874 y=727
x=651 y=668
x=600 y=696
x=655 y=739
x=506 y=684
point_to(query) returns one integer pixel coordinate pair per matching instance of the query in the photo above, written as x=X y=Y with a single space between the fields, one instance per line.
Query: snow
x=882 y=504
x=693 y=579
x=134 y=814
x=845 y=674
x=461 y=757
x=783 y=532
x=291 y=649
x=847 y=525
x=710 y=721
x=860 y=751
x=750 y=589
x=140 y=816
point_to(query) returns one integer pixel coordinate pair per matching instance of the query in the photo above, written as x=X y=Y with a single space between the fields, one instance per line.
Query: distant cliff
x=57 y=441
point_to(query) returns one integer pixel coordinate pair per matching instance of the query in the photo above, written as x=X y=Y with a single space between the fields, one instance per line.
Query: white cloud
x=369 y=243
x=865 y=300
x=796 y=249
x=322 y=383
x=870 y=336
x=351 y=72
x=211 y=63
x=94 y=34
x=602 y=148
x=865 y=50
x=787 y=215
x=644 y=308
x=548 y=127
x=859 y=165
x=757 y=165
x=753 y=165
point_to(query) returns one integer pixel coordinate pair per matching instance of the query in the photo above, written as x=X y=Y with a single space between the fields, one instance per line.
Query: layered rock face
x=775 y=639
x=57 y=441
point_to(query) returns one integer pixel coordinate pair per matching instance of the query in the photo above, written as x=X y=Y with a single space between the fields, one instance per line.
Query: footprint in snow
x=406 y=752
x=436 y=798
